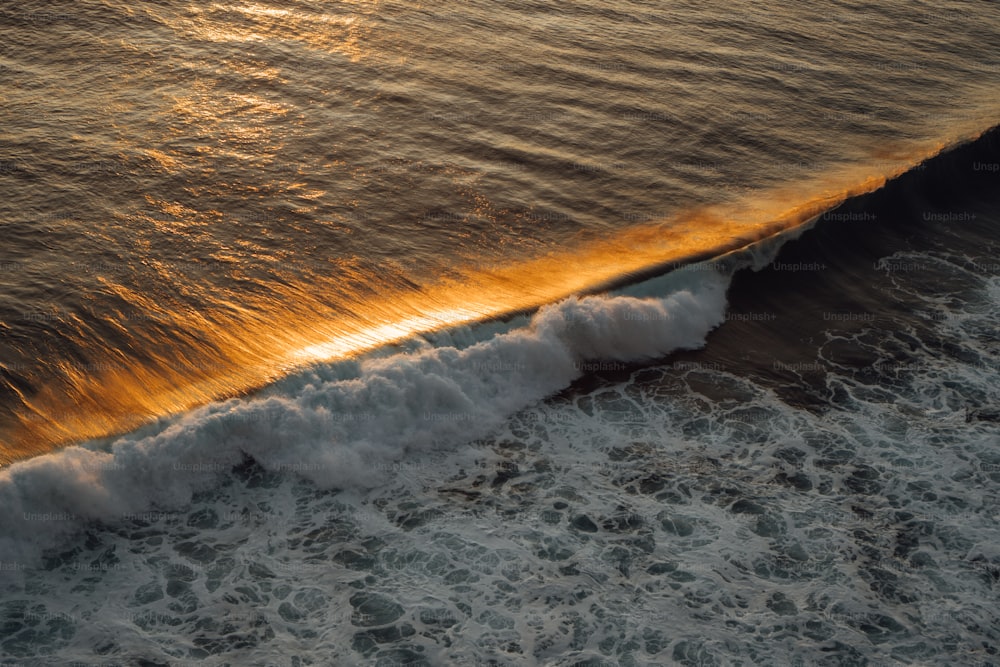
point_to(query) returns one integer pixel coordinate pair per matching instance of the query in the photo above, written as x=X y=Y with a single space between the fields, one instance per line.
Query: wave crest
x=346 y=431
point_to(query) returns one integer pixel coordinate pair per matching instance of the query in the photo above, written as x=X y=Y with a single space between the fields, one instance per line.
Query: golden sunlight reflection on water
x=244 y=341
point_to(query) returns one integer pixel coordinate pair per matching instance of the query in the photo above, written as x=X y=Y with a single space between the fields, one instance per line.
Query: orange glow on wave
x=248 y=343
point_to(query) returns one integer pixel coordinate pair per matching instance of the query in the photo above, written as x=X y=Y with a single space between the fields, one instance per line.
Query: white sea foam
x=435 y=397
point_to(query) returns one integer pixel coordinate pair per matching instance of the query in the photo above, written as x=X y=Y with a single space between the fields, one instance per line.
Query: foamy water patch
x=337 y=431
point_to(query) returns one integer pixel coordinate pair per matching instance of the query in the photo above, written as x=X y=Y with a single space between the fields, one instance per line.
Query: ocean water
x=397 y=333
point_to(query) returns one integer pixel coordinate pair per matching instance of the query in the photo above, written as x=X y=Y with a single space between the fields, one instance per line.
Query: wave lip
x=347 y=431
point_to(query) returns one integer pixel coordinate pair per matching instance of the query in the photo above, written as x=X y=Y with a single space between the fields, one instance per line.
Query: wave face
x=796 y=439
x=343 y=424
x=199 y=201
